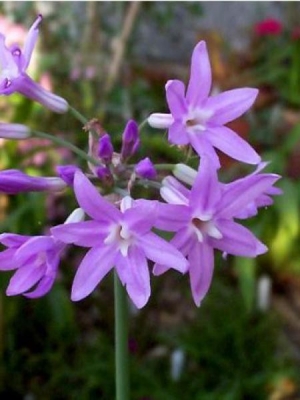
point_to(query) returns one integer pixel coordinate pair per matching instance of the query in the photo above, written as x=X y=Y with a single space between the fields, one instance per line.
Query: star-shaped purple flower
x=203 y=219
x=13 y=77
x=117 y=237
x=199 y=119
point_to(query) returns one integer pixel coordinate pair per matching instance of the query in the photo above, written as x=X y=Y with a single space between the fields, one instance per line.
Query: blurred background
x=111 y=60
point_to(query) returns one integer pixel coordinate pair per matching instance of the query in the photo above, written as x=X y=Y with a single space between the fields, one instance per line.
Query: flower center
x=121 y=236
x=205 y=227
x=197 y=119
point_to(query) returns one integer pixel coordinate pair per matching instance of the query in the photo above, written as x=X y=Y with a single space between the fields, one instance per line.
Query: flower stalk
x=121 y=341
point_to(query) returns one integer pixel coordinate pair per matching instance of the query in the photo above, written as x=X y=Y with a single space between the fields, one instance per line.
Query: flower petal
x=203 y=147
x=171 y=217
x=162 y=252
x=231 y=104
x=177 y=134
x=94 y=266
x=237 y=240
x=175 y=98
x=137 y=279
x=7 y=262
x=24 y=278
x=201 y=259
x=233 y=145
x=32 y=247
x=43 y=287
x=12 y=239
x=142 y=216
x=92 y=202
x=85 y=234
x=200 y=78
x=30 y=41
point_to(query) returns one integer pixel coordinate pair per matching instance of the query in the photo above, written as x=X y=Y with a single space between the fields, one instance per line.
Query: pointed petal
x=137 y=278
x=237 y=240
x=86 y=234
x=175 y=98
x=171 y=217
x=206 y=191
x=203 y=147
x=13 y=240
x=242 y=193
x=42 y=288
x=142 y=216
x=200 y=77
x=94 y=266
x=160 y=120
x=233 y=145
x=201 y=259
x=31 y=40
x=162 y=252
x=231 y=104
x=7 y=262
x=92 y=202
x=24 y=278
x=32 y=247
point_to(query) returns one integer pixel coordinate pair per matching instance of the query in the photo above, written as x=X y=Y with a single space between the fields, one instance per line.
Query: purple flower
x=13 y=77
x=199 y=120
x=67 y=172
x=13 y=181
x=145 y=169
x=13 y=131
x=105 y=150
x=130 y=139
x=120 y=238
x=203 y=219
x=35 y=259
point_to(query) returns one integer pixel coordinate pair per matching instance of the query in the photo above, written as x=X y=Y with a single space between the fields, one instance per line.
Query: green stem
x=64 y=143
x=121 y=341
x=142 y=124
x=78 y=115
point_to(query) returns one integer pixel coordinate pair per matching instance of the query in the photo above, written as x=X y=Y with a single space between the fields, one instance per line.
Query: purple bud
x=130 y=139
x=105 y=150
x=145 y=169
x=13 y=181
x=14 y=131
x=103 y=173
x=67 y=172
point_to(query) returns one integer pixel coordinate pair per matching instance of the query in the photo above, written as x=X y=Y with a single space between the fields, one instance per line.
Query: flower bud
x=145 y=169
x=185 y=173
x=14 y=131
x=105 y=150
x=67 y=172
x=130 y=139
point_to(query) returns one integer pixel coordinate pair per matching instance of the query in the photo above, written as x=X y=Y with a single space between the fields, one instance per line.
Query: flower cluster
x=127 y=233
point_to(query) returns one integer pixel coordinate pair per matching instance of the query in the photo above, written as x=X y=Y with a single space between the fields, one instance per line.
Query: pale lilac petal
x=237 y=240
x=240 y=195
x=177 y=134
x=137 y=280
x=175 y=98
x=233 y=145
x=172 y=217
x=31 y=40
x=172 y=183
x=204 y=148
x=160 y=251
x=160 y=120
x=32 y=247
x=86 y=234
x=94 y=266
x=201 y=259
x=12 y=239
x=142 y=216
x=231 y=104
x=200 y=78
x=7 y=262
x=206 y=191
x=42 y=288
x=92 y=202
x=24 y=278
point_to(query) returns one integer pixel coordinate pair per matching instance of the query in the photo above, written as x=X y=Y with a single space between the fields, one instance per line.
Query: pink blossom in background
x=269 y=26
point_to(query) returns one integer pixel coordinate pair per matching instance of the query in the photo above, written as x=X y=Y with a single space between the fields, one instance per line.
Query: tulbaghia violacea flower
x=199 y=120
x=119 y=238
x=13 y=181
x=14 y=131
x=145 y=169
x=35 y=259
x=13 y=77
x=203 y=219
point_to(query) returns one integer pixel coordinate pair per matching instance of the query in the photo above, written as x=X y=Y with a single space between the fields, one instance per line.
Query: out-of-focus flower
x=35 y=259
x=13 y=181
x=203 y=219
x=120 y=238
x=145 y=169
x=199 y=120
x=13 y=77
x=268 y=27
x=13 y=131
x=105 y=150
